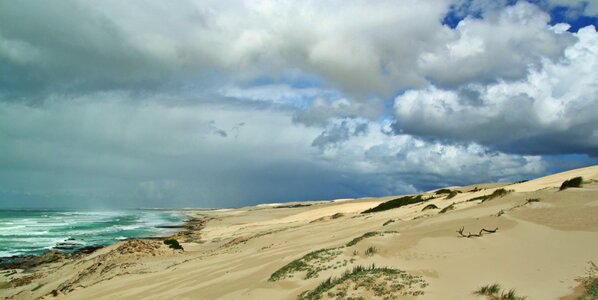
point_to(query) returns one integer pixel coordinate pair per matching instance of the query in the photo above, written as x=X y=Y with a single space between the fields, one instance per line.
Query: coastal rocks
x=73 y=246
x=32 y=261
x=191 y=231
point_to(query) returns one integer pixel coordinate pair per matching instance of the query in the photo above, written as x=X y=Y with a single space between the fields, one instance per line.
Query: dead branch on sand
x=470 y=235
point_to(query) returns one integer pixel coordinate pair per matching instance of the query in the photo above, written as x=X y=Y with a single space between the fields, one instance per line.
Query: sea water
x=25 y=232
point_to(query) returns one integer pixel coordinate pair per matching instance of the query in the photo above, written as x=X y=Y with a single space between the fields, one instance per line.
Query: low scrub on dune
x=173 y=244
x=363 y=236
x=371 y=251
x=450 y=207
x=589 y=283
x=430 y=206
x=571 y=183
x=395 y=203
x=591 y=290
x=442 y=191
x=382 y=282
x=498 y=193
x=312 y=263
x=494 y=292
x=452 y=194
x=388 y=222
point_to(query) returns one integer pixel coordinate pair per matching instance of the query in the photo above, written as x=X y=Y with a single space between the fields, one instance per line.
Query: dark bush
x=173 y=244
x=430 y=206
x=388 y=222
x=496 y=194
x=443 y=191
x=450 y=207
x=452 y=194
x=573 y=182
x=406 y=200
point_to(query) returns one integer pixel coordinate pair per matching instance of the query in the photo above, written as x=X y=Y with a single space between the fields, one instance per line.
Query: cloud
x=360 y=48
x=227 y=103
x=112 y=149
x=551 y=111
x=503 y=45
x=584 y=7
x=357 y=47
x=340 y=131
x=417 y=161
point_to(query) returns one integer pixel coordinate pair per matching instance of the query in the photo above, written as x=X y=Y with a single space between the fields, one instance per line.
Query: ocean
x=32 y=232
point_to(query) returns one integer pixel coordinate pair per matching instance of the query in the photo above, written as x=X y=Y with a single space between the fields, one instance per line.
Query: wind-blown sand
x=541 y=249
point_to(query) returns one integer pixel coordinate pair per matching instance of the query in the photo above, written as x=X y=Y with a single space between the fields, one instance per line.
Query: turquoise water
x=36 y=231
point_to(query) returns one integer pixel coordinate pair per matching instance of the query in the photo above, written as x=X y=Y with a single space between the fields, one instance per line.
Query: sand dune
x=542 y=248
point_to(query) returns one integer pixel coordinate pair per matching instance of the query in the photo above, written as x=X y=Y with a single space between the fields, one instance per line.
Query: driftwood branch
x=470 y=235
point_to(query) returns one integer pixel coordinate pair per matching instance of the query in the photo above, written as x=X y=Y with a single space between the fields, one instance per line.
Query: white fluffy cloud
x=585 y=7
x=373 y=149
x=555 y=106
x=503 y=45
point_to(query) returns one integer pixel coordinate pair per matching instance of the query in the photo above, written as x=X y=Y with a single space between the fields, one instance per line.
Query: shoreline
x=66 y=251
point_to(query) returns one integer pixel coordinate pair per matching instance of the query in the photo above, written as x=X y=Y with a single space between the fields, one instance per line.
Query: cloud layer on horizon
x=225 y=103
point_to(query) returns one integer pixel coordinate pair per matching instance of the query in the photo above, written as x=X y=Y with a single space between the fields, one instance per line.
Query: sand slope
x=539 y=249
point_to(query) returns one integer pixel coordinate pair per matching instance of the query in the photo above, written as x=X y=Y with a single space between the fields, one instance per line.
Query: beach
x=529 y=236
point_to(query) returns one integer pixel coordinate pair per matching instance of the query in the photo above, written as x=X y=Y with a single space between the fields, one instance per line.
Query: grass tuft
x=363 y=236
x=450 y=207
x=430 y=206
x=383 y=282
x=306 y=263
x=590 y=283
x=371 y=251
x=452 y=194
x=388 y=222
x=442 y=191
x=498 y=193
x=591 y=291
x=571 y=183
x=493 y=292
x=395 y=203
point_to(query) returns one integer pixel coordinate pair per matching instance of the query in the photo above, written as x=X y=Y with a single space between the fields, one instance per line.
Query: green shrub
x=363 y=236
x=443 y=191
x=496 y=194
x=450 y=207
x=395 y=203
x=430 y=206
x=571 y=183
x=591 y=290
x=493 y=291
x=388 y=222
x=371 y=251
x=452 y=194
x=173 y=244
x=392 y=281
x=306 y=263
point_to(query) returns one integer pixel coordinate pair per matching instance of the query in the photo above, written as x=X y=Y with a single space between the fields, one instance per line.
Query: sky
x=215 y=103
